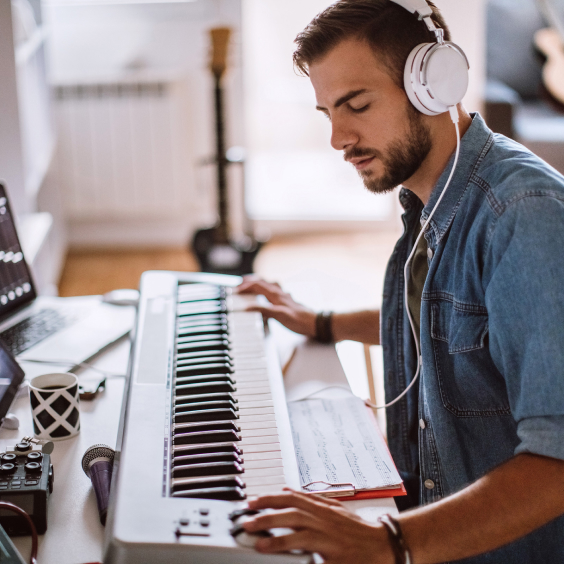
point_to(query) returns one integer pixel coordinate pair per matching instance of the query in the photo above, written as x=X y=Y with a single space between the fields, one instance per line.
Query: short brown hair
x=389 y=29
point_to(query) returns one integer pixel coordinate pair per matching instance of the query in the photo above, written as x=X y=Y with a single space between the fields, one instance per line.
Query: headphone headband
x=419 y=7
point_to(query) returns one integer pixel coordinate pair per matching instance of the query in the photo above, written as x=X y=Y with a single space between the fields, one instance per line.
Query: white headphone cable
x=453 y=110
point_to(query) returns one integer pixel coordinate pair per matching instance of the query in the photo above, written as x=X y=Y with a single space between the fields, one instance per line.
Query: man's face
x=373 y=122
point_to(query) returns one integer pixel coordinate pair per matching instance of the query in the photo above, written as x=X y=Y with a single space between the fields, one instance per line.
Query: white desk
x=74 y=534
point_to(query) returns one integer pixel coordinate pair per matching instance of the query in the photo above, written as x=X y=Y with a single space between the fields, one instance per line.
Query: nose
x=342 y=135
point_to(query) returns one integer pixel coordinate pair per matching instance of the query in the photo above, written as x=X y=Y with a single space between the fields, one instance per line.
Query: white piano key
x=270 y=455
x=262 y=463
x=262 y=440
x=256 y=411
x=253 y=433
x=273 y=446
x=268 y=489
x=256 y=473
x=264 y=480
x=258 y=418
x=246 y=424
x=258 y=403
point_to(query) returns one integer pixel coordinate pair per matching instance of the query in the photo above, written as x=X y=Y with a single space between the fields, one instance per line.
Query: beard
x=402 y=159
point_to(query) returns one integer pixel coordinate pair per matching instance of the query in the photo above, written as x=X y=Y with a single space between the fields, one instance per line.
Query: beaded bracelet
x=397 y=542
x=323 y=329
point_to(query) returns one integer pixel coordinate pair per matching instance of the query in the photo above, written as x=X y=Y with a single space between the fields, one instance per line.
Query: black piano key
x=205 y=426
x=206 y=415
x=205 y=397
x=199 y=320
x=204 y=379
x=199 y=297
x=181 y=357
x=181 y=450
x=203 y=369
x=198 y=406
x=206 y=437
x=224 y=494
x=207 y=469
x=219 y=359
x=215 y=345
x=210 y=457
x=201 y=308
x=199 y=338
x=203 y=330
x=212 y=387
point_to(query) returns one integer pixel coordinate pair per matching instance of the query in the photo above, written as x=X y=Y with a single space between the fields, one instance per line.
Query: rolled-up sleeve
x=525 y=302
x=542 y=435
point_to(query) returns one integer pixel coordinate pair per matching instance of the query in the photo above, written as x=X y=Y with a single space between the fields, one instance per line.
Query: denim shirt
x=492 y=330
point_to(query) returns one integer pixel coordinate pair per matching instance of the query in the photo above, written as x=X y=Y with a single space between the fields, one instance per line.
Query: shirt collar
x=473 y=147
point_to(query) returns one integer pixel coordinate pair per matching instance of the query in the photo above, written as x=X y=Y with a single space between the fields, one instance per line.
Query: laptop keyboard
x=34 y=328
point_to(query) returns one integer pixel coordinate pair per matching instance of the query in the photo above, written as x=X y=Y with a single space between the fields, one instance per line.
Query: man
x=479 y=439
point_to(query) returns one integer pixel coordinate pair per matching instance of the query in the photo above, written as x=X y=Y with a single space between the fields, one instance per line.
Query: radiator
x=125 y=151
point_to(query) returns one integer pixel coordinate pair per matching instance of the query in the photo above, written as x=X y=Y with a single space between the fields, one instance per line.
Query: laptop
x=49 y=334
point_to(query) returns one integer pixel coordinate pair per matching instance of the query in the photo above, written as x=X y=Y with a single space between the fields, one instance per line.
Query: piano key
x=252 y=465
x=255 y=433
x=229 y=481
x=206 y=469
x=201 y=369
x=210 y=457
x=253 y=391
x=181 y=357
x=198 y=406
x=269 y=455
x=219 y=345
x=224 y=494
x=243 y=419
x=207 y=448
x=248 y=425
x=187 y=310
x=208 y=437
x=223 y=359
x=202 y=330
x=199 y=338
x=205 y=426
x=267 y=439
x=210 y=388
x=256 y=411
x=204 y=379
x=202 y=320
x=206 y=415
x=256 y=403
x=224 y=396
x=264 y=480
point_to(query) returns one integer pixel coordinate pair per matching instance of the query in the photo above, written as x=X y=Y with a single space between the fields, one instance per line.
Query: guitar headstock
x=220 y=46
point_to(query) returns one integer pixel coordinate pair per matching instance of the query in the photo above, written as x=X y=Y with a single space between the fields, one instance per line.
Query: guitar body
x=223 y=258
x=550 y=45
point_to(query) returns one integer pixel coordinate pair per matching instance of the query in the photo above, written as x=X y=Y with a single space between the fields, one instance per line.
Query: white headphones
x=436 y=74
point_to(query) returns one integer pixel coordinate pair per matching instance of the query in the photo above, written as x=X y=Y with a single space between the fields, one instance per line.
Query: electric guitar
x=214 y=248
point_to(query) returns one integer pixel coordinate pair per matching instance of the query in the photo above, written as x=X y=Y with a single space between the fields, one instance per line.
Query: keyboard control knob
x=33 y=467
x=7 y=468
x=247 y=540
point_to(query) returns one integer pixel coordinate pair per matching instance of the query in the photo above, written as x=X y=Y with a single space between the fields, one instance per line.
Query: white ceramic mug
x=55 y=406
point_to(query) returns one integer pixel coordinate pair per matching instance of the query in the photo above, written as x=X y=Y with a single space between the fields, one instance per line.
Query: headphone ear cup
x=436 y=77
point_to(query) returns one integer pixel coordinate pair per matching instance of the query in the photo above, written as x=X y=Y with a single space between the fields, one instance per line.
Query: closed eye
x=360 y=110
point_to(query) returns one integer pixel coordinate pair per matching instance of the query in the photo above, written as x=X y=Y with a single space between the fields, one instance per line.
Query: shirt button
x=429 y=484
x=430 y=253
x=422 y=423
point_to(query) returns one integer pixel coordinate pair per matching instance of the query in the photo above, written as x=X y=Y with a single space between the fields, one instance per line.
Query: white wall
x=293 y=173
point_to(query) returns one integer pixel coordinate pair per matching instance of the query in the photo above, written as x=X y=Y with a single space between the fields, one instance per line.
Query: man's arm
x=509 y=502
x=363 y=326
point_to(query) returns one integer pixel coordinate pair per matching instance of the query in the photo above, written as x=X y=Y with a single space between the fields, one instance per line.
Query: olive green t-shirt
x=418 y=275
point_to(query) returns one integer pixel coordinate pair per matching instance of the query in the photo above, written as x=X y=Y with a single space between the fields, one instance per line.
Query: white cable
x=75 y=364
x=454 y=116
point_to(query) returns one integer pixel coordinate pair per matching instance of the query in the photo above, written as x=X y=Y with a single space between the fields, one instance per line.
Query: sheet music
x=337 y=441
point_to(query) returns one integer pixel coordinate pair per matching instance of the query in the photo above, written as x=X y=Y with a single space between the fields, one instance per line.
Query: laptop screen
x=16 y=285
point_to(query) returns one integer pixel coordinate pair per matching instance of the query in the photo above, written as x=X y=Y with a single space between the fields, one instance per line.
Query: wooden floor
x=351 y=263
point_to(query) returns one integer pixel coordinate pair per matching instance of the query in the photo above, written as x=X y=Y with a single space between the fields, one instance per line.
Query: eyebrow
x=344 y=99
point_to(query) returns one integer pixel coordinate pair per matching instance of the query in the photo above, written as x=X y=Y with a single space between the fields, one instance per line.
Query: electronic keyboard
x=204 y=426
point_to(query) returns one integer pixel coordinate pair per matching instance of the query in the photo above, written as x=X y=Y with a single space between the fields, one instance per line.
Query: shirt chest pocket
x=470 y=384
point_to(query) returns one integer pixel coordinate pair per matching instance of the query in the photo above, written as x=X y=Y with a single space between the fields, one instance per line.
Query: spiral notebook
x=341 y=451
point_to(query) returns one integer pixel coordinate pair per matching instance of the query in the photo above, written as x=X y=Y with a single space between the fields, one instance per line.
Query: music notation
x=336 y=441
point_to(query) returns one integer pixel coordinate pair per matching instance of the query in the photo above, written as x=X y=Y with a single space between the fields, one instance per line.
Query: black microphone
x=97 y=465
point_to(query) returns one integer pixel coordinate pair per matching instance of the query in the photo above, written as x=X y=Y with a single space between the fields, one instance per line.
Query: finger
x=279 y=313
x=271 y=292
x=307 y=503
x=310 y=541
x=286 y=518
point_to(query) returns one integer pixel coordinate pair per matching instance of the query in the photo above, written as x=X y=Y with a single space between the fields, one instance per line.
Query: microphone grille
x=94 y=452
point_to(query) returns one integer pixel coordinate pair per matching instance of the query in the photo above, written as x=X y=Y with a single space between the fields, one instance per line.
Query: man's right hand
x=282 y=307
